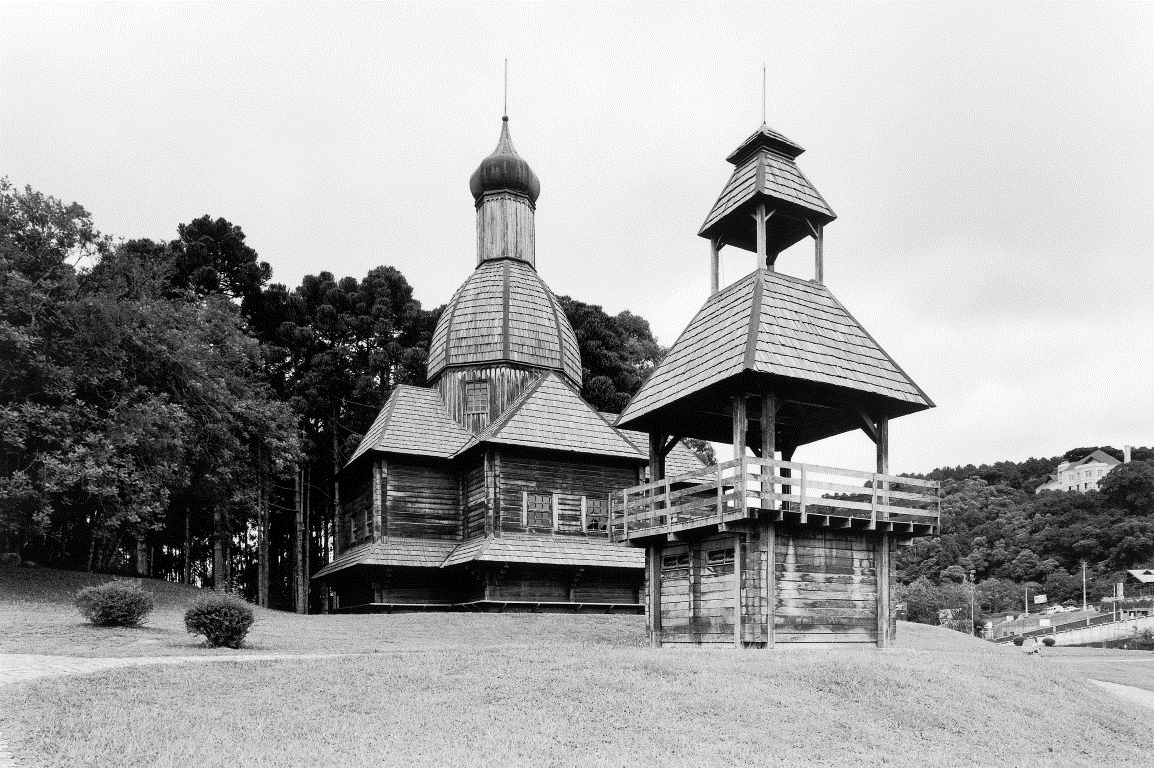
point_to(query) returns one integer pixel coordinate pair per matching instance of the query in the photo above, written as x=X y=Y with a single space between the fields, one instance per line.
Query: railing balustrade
x=787 y=490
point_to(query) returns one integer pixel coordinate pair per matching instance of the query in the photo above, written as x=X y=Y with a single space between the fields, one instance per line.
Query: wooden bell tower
x=760 y=549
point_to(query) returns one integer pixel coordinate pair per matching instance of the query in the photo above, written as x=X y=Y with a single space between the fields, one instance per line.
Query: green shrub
x=1048 y=642
x=1019 y=640
x=222 y=618
x=115 y=604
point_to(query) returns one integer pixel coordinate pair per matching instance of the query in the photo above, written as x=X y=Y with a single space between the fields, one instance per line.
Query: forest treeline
x=165 y=408
x=1001 y=539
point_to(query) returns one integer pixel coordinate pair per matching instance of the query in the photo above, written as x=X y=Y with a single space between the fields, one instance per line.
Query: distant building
x=1082 y=475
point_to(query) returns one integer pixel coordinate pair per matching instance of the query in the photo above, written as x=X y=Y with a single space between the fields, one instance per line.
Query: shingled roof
x=504 y=312
x=414 y=421
x=779 y=326
x=412 y=553
x=765 y=169
x=547 y=550
x=551 y=414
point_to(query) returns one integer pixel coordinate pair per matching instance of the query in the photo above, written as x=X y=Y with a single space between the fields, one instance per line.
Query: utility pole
x=1084 y=592
x=972 y=586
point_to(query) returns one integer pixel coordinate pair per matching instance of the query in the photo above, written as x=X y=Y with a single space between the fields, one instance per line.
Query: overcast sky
x=992 y=168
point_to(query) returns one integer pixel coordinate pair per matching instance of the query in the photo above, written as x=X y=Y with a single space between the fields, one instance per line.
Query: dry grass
x=528 y=690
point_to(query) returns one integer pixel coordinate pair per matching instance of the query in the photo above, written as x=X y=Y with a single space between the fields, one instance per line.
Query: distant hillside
x=1029 y=474
x=995 y=528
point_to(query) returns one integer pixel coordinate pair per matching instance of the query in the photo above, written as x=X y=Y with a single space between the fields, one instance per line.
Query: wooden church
x=762 y=550
x=490 y=489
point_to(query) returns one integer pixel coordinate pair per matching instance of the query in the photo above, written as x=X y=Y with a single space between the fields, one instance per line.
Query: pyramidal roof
x=774 y=324
x=551 y=414
x=414 y=421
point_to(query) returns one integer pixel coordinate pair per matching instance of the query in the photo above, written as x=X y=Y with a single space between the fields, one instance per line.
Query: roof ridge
x=754 y=321
x=553 y=304
x=601 y=416
x=713 y=298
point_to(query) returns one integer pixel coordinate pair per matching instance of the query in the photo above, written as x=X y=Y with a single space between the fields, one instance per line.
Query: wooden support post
x=786 y=490
x=770 y=581
x=768 y=440
x=882 y=562
x=883 y=447
x=714 y=265
x=737 y=591
x=740 y=425
x=654 y=595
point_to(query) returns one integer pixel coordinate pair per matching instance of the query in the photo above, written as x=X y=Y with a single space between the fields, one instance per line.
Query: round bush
x=1048 y=642
x=222 y=618
x=11 y=559
x=1019 y=640
x=115 y=604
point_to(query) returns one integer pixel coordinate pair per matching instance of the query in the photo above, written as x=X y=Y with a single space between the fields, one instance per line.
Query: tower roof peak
x=504 y=170
x=767 y=138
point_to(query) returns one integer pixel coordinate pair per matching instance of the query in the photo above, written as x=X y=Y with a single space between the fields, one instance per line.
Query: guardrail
x=783 y=490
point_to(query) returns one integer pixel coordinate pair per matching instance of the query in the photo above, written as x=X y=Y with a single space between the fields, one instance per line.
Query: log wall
x=569 y=480
x=822 y=587
x=422 y=500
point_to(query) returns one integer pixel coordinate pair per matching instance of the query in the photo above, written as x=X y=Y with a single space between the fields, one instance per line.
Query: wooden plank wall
x=409 y=585
x=826 y=587
x=571 y=479
x=475 y=498
x=356 y=511
x=553 y=584
x=699 y=598
x=422 y=500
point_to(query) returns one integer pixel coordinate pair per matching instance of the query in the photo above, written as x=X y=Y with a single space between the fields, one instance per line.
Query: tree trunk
x=187 y=544
x=298 y=543
x=218 y=575
x=141 y=556
x=262 y=536
x=306 y=532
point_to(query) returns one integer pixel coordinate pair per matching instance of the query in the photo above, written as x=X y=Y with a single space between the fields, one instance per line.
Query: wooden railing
x=782 y=490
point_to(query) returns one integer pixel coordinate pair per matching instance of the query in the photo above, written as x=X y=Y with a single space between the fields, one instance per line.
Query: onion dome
x=504 y=170
x=504 y=313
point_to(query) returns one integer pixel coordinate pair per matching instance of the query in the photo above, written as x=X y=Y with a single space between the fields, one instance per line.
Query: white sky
x=992 y=167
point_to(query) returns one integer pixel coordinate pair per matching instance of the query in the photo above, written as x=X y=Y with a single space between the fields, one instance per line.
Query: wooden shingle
x=504 y=312
x=547 y=550
x=412 y=553
x=414 y=421
x=551 y=414
x=798 y=331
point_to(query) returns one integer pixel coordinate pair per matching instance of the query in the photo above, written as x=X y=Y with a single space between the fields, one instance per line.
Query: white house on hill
x=1082 y=475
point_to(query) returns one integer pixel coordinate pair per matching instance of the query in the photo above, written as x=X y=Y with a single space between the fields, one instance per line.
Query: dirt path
x=1134 y=695
x=21 y=667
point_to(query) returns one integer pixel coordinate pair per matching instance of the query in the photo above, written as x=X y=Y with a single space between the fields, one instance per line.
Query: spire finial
x=763 y=90
x=506 y=88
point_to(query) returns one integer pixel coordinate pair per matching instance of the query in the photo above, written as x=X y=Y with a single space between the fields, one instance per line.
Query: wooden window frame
x=469 y=409
x=588 y=516
x=535 y=508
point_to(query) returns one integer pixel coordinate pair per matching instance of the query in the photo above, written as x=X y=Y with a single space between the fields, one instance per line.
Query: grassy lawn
x=539 y=690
